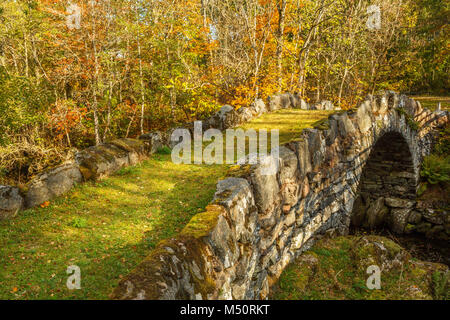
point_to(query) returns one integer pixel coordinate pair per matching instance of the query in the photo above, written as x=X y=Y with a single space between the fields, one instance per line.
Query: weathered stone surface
x=376 y=213
x=290 y=218
x=289 y=176
x=304 y=105
x=359 y=211
x=324 y=105
x=258 y=108
x=52 y=183
x=316 y=147
x=399 y=203
x=363 y=117
x=415 y=217
x=303 y=155
x=432 y=216
x=280 y=101
x=153 y=141
x=101 y=161
x=230 y=190
x=332 y=133
x=398 y=219
x=10 y=202
x=223 y=242
x=330 y=177
x=266 y=188
x=380 y=105
x=137 y=149
x=225 y=118
x=243 y=115
x=345 y=126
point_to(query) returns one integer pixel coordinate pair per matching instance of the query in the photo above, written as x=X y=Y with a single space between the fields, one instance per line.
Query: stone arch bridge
x=358 y=167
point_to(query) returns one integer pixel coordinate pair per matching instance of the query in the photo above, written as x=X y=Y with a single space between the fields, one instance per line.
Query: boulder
x=153 y=141
x=332 y=132
x=100 y=161
x=52 y=183
x=258 y=108
x=279 y=101
x=225 y=118
x=137 y=150
x=230 y=190
x=398 y=220
x=172 y=143
x=296 y=101
x=433 y=216
x=243 y=115
x=415 y=217
x=324 y=105
x=304 y=105
x=288 y=165
x=11 y=202
x=376 y=213
x=399 y=203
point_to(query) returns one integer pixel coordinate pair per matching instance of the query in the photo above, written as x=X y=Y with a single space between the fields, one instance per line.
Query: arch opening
x=387 y=187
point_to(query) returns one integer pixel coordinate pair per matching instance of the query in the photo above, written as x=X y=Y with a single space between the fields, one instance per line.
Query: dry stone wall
x=97 y=162
x=258 y=223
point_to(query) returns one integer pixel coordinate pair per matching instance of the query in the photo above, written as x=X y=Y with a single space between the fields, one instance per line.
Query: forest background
x=126 y=67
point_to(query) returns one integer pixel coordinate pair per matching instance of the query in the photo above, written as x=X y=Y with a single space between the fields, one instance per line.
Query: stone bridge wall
x=258 y=223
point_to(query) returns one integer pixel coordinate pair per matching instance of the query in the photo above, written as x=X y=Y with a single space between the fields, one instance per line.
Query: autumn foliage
x=138 y=65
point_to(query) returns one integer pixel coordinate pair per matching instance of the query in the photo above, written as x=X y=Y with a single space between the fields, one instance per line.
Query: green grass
x=431 y=102
x=108 y=227
x=105 y=228
x=335 y=269
x=290 y=122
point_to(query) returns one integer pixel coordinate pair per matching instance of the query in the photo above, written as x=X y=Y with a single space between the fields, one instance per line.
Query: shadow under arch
x=387 y=186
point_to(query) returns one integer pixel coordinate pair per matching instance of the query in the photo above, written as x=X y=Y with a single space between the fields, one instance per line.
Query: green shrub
x=436 y=169
x=442 y=147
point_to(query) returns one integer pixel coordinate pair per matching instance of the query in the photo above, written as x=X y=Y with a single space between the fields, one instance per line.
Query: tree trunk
x=281 y=7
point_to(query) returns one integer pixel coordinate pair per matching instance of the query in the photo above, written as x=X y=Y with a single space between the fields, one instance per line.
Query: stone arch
x=388 y=184
x=257 y=224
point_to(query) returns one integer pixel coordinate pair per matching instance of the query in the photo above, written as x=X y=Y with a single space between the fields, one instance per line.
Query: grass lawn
x=336 y=269
x=290 y=122
x=431 y=102
x=106 y=228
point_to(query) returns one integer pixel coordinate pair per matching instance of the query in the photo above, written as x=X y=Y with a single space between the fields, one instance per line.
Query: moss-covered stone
x=239 y=171
x=203 y=223
x=322 y=124
x=410 y=228
x=339 y=271
x=424 y=227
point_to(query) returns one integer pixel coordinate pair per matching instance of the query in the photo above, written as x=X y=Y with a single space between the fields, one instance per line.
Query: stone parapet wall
x=92 y=163
x=100 y=161
x=257 y=224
